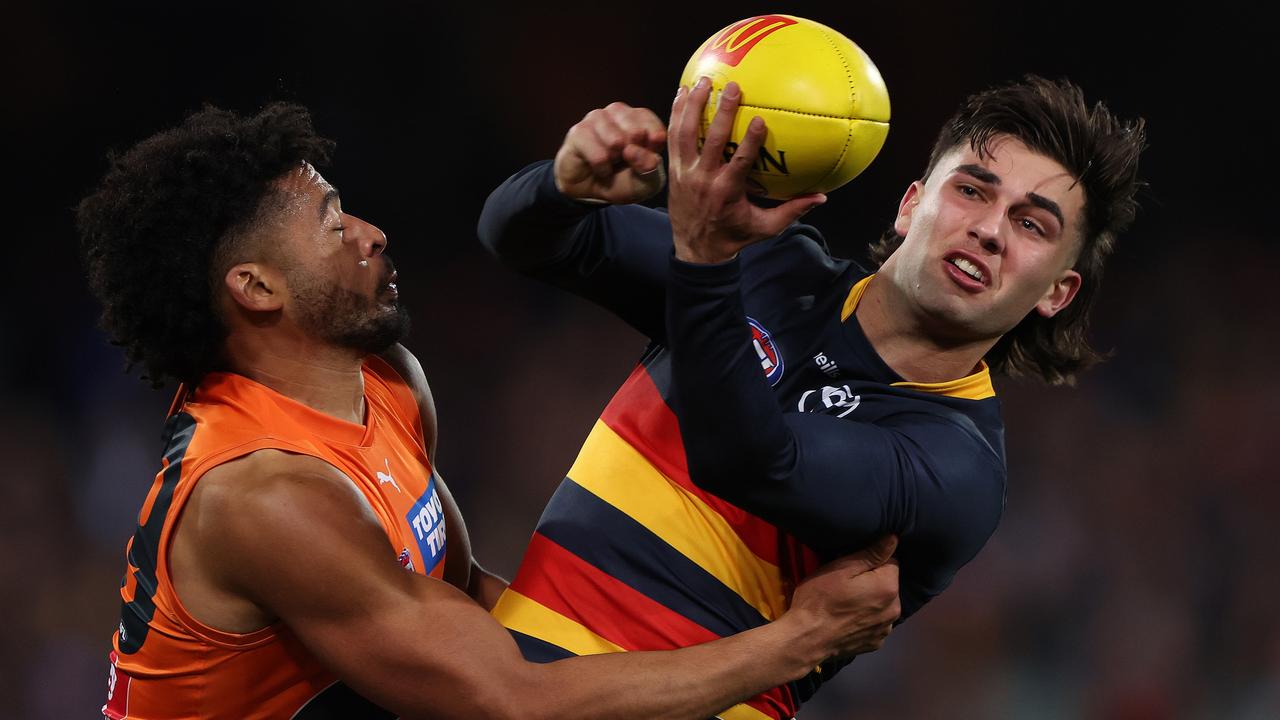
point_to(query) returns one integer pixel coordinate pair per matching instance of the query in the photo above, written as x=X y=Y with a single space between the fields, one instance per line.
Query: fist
x=613 y=155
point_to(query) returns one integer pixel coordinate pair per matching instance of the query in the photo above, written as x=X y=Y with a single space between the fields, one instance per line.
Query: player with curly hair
x=298 y=555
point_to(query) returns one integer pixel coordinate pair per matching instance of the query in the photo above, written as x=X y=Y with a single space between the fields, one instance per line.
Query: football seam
x=853 y=106
x=801 y=112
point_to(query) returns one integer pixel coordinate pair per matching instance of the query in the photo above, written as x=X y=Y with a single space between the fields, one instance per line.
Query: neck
x=324 y=378
x=904 y=342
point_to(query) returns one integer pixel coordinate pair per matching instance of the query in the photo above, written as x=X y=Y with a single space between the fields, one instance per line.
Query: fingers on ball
x=722 y=124
x=690 y=110
x=744 y=156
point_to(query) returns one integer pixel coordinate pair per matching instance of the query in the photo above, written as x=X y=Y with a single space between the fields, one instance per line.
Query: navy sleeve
x=835 y=484
x=614 y=255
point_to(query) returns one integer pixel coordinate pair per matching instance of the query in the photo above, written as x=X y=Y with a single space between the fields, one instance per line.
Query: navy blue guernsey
x=760 y=435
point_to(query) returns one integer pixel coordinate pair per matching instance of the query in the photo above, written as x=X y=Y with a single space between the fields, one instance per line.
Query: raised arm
x=572 y=223
x=305 y=548
x=835 y=483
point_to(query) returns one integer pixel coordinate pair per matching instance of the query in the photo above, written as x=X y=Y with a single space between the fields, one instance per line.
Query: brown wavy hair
x=1101 y=153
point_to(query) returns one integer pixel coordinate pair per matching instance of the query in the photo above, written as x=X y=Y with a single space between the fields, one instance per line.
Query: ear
x=1060 y=294
x=255 y=287
x=907 y=207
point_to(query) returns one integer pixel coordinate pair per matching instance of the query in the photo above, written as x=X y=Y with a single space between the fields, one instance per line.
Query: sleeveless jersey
x=165 y=663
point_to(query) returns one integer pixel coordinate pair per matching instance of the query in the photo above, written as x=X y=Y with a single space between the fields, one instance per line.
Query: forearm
x=467 y=666
x=725 y=402
x=614 y=256
x=694 y=682
x=526 y=223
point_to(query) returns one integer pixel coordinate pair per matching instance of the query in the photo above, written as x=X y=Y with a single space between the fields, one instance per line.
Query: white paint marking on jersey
x=833 y=397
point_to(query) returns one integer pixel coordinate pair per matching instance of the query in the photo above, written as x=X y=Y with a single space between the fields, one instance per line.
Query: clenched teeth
x=969 y=268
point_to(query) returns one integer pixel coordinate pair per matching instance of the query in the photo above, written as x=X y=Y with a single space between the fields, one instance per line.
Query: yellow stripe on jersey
x=743 y=712
x=530 y=617
x=617 y=473
x=855 y=294
x=971 y=387
x=519 y=613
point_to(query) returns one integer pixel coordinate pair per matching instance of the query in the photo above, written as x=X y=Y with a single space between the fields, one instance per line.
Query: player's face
x=988 y=240
x=341 y=287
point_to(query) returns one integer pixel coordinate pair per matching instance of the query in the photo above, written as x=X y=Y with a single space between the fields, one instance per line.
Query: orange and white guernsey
x=166 y=664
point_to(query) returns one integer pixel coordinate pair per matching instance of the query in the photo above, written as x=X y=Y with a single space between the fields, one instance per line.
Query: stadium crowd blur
x=1134 y=576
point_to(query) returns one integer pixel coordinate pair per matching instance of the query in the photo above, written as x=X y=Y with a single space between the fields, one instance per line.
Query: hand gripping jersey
x=760 y=435
x=165 y=663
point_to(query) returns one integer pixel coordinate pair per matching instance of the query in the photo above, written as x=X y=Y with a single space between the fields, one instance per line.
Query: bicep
x=843 y=484
x=838 y=484
x=960 y=497
x=308 y=548
x=835 y=485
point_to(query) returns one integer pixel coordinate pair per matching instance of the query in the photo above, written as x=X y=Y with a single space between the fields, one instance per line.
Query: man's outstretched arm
x=305 y=547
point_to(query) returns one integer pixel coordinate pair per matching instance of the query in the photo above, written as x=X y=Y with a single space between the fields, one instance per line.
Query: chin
x=955 y=319
x=376 y=334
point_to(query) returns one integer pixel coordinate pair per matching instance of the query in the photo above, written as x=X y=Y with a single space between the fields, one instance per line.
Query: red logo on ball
x=733 y=43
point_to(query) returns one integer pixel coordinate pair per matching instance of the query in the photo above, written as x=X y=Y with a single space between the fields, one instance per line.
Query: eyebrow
x=329 y=198
x=984 y=175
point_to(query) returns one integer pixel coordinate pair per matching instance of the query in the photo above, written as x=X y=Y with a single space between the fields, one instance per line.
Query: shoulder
x=272 y=510
x=401 y=368
x=798 y=255
x=955 y=431
x=961 y=481
x=274 y=487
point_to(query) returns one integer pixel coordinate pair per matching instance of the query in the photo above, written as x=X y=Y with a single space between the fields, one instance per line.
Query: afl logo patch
x=406 y=560
x=770 y=358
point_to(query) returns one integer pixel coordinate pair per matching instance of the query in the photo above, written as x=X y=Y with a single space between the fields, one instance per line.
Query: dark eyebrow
x=329 y=198
x=980 y=173
x=1045 y=203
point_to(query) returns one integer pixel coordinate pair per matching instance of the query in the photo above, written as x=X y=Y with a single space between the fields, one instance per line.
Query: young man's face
x=341 y=288
x=988 y=240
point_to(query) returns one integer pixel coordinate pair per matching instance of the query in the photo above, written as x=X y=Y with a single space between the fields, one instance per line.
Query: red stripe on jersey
x=601 y=602
x=610 y=607
x=640 y=415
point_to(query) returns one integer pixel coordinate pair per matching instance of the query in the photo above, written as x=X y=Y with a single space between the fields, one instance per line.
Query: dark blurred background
x=1135 y=573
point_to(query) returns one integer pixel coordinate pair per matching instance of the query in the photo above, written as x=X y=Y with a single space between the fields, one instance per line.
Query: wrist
x=693 y=257
x=560 y=189
x=808 y=643
x=697 y=253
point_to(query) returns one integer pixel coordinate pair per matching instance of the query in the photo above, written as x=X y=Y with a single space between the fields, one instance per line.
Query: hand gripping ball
x=823 y=100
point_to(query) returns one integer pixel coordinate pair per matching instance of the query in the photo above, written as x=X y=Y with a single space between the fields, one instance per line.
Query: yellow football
x=823 y=100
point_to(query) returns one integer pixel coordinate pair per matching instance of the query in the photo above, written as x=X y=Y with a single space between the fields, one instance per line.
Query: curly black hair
x=165 y=210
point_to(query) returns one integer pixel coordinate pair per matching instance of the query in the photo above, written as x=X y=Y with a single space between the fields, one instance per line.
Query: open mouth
x=968 y=272
x=968 y=268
